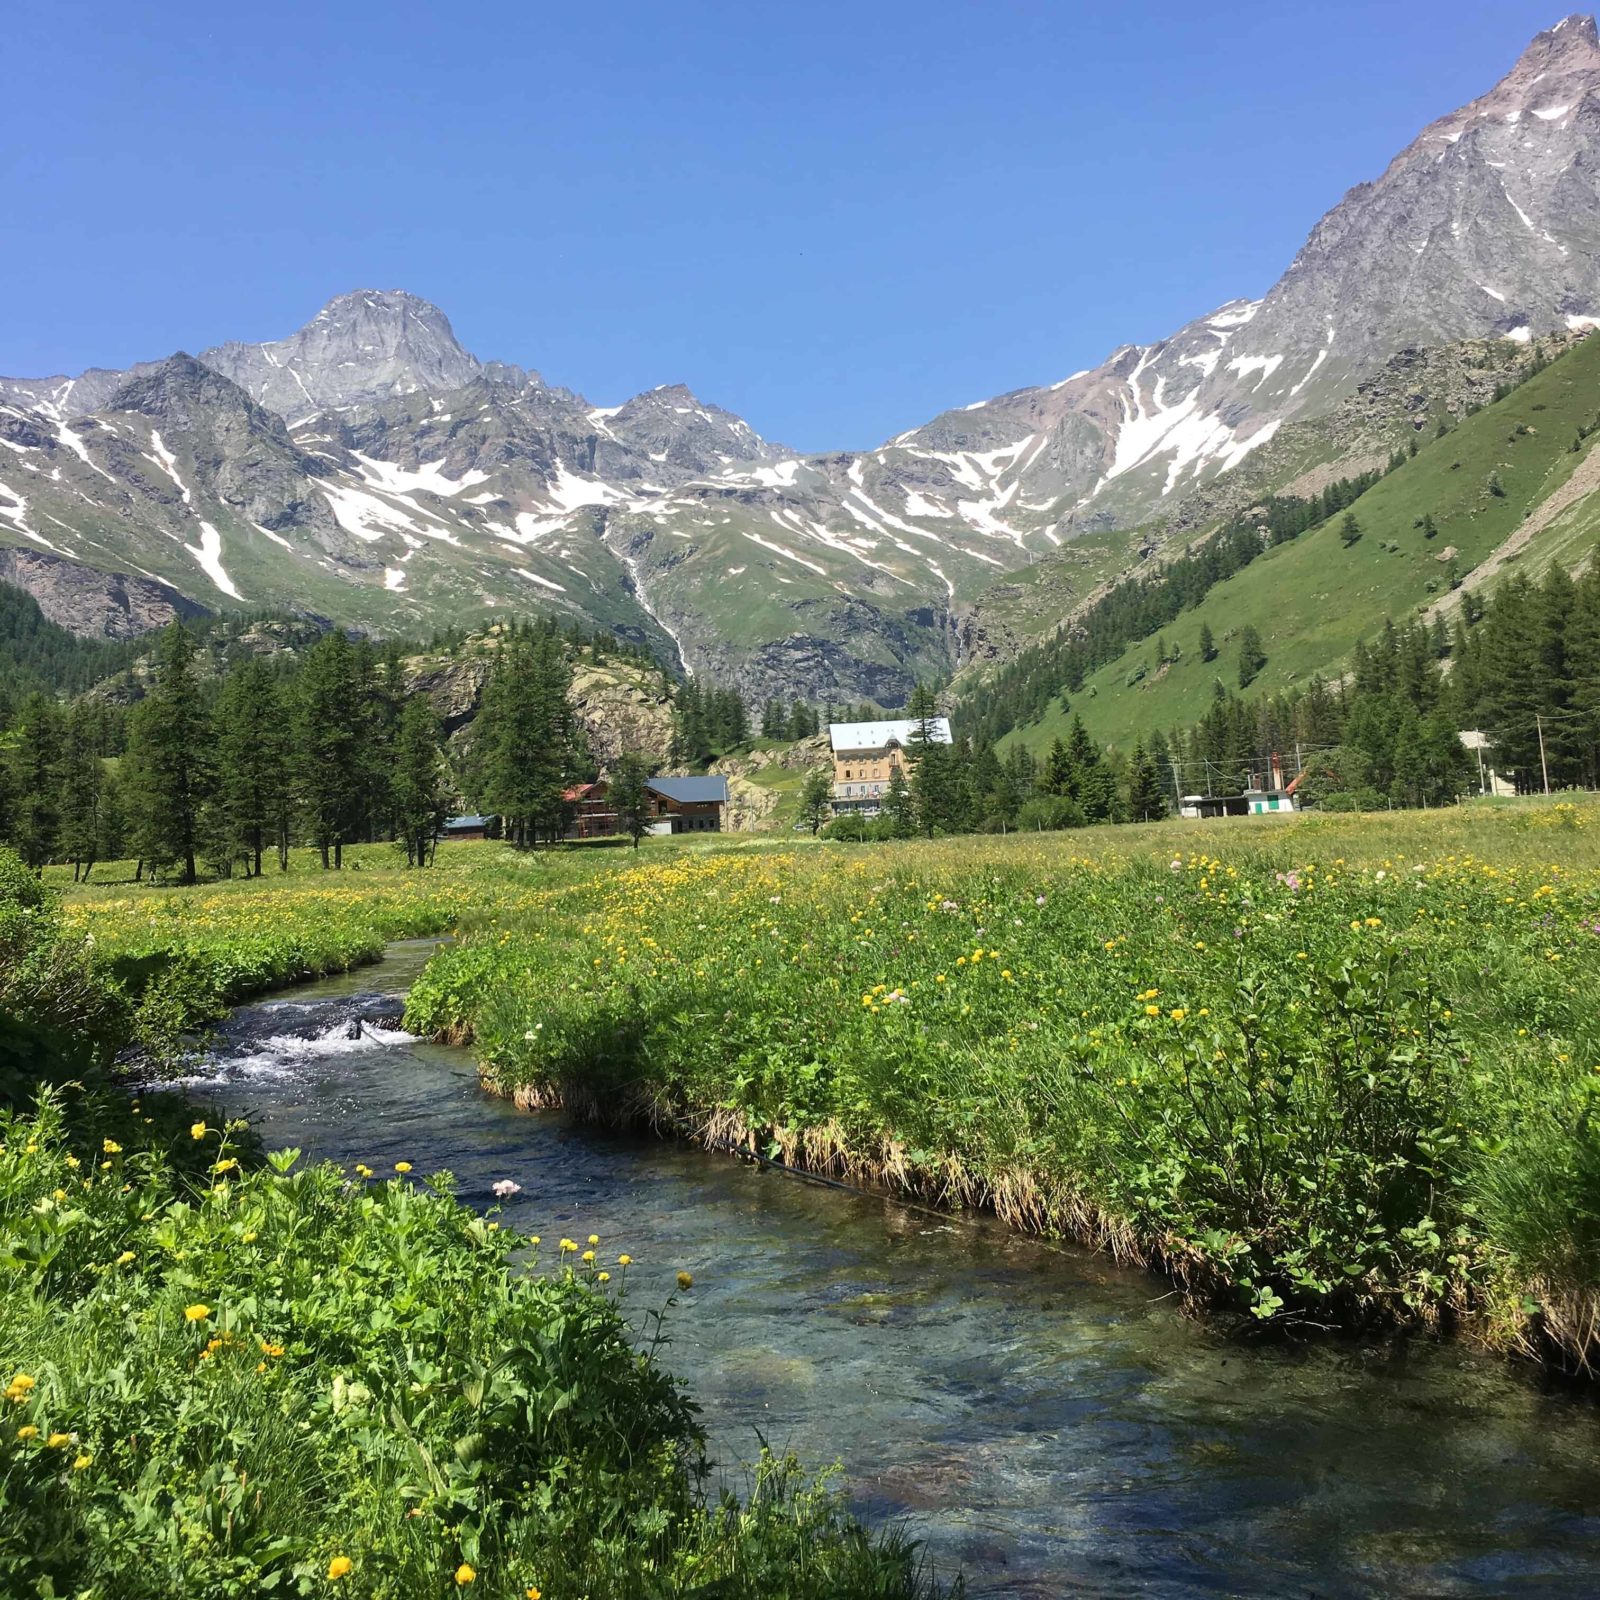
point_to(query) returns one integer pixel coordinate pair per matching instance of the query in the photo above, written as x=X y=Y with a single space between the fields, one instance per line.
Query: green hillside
x=1312 y=599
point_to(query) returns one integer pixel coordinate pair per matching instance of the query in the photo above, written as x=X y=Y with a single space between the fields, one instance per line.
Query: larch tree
x=420 y=785
x=252 y=762
x=630 y=798
x=170 y=739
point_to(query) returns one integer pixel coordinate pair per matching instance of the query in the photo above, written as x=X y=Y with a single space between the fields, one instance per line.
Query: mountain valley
x=370 y=471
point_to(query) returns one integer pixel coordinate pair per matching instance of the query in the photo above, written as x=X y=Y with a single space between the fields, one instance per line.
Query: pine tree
x=1349 y=530
x=419 y=787
x=1059 y=775
x=81 y=784
x=933 y=779
x=170 y=742
x=816 y=799
x=1252 y=656
x=630 y=799
x=530 y=745
x=1583 y=667
x=1147 y=794
x=899 y=807
x=113 y=819
x=252 y=762
x=1090 y=783
x=34 y=773
x=330 y=747
x=1208 y=645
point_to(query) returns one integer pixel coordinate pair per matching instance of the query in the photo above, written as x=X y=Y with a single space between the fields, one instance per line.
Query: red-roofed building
x=677 y=805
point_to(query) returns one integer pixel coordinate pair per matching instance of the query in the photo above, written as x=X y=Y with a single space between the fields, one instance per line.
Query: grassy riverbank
x=1339 y=1070
x=1332 y=1069
x=230 y=1375
x=192 y=952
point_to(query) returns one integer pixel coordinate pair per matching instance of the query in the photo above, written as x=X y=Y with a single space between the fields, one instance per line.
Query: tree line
x=1521 y=667
x=968 y=787
x=225 y=772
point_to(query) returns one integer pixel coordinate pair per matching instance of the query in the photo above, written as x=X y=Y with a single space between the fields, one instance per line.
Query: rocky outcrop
x=624 y=709
x=91 y=603
x=751 y=804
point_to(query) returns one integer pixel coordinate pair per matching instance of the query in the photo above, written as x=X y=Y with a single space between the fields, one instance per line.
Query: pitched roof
x=875 y=735
x=691 y=791
x=467 y=822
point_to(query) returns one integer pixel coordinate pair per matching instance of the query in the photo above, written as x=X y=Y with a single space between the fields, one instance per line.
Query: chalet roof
x=467 y=822
x=691 y=791
x=875 y=735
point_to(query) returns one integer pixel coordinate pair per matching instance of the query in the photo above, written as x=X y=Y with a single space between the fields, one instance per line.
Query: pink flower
x=506 y=1187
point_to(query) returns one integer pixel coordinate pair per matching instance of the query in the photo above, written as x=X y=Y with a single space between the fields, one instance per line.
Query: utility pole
x=1544 y=766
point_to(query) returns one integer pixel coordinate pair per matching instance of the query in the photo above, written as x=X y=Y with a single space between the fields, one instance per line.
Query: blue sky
x=834 y=219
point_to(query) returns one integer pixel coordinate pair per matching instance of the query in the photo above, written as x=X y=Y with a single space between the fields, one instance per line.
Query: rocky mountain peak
x=1574 y=41
x=173 y=389
x=365 y=346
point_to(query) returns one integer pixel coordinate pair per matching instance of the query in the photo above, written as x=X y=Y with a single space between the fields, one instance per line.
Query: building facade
x=867 y=756
x=677 y=805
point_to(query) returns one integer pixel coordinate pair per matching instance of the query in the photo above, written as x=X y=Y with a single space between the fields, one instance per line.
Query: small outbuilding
x=473 y=827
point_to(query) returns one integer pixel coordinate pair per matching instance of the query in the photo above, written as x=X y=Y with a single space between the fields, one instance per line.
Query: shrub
x=286 y=1381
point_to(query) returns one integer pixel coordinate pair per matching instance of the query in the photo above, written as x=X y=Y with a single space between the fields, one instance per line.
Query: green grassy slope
x=1311 y=600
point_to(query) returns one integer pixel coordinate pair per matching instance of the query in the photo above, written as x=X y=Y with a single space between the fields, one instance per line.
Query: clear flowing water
x=1045 y=1421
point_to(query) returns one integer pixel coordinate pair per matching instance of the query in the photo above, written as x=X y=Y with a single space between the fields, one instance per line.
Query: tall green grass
x=1312 y=1090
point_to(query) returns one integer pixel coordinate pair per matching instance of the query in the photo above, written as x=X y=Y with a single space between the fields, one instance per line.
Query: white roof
x=875 y=735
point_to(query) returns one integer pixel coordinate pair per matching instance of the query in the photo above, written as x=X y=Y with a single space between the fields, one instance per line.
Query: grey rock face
x=361 y=347
x=90 y=603
x=242 y=454
x=1487 y=224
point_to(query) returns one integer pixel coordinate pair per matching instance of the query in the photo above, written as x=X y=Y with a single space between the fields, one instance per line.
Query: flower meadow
x=1311 y=1080
x=227 y=1378
x=1323 y=1073
x=226 y=1373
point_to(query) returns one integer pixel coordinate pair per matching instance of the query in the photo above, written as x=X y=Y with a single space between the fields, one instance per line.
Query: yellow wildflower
x=685 y=1281
x=624 y=1261
x=56 y=1440
x=464 y=1575
x=338 y=1568
x=196 y=1313
x=402 y=1166
x=111 y=1147
x=28 y=1431
x=81 y=1463
x=197 y=1130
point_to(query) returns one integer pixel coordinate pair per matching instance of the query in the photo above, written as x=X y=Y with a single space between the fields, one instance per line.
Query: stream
x=1044 y=1420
